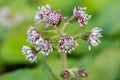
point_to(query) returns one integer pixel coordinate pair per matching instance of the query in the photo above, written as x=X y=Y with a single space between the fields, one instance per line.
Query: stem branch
x=64 y=26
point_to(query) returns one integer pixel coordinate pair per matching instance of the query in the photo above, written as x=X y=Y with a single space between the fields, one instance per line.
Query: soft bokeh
x=102 y=62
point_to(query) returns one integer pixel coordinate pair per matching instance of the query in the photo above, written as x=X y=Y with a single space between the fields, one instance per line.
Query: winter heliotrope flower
x=29 y=54
x=93 y=38
x=67 y=44
x=48 y=16
x=33 y=35
x=81 y=16
x=44 y=46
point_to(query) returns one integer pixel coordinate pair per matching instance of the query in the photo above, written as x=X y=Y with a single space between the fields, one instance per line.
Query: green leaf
x=105 y=66
x=25 y=74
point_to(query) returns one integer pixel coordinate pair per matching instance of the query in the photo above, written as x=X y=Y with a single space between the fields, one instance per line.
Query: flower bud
x=83 y=73
x=65 y=74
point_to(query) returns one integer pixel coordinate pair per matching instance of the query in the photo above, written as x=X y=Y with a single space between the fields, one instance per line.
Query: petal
x=74 y=11
x=48 y=6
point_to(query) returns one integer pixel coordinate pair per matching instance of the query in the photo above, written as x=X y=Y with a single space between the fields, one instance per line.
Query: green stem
x=51 y=31
x=60 y=31
x=65 y=24
x=78 y=33
x=78 y=36
x=64 y=62
x=71 y=19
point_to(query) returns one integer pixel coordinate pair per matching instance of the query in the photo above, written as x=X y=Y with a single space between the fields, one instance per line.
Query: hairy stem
x=64 y=62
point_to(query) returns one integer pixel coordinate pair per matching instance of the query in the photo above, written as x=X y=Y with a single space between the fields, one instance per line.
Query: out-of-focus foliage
x=102 y=63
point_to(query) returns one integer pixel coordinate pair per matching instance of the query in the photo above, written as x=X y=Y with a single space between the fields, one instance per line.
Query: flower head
x=81 y=16
x=44 y=46
x=93 y=39
x=41 y=15
x=67 y=44
x=48 y=16
x=54 y=18
x=29 y=54
x=33 y=35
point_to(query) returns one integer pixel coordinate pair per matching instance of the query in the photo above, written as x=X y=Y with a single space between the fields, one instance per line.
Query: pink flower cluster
x=66 y=43
x=93 y=39
x=82 y=16
x=43 y=46
x=29 y=54
x=48 y=16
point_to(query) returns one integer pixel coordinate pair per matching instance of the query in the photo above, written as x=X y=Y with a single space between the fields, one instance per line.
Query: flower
x=41 y=15
x=29 y=54
x=33 y=35
x=67 y=44
x=44 y=46
x=48 y=16
x=93 y=39
x=54 y=18
x=81 y=16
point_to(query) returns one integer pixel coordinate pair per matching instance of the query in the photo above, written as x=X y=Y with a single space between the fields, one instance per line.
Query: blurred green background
x=102 y=63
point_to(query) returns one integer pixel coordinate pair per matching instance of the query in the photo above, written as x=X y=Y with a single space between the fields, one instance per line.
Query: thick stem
x=64 y=62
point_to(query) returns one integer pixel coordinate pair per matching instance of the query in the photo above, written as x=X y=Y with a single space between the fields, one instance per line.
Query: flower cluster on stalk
x=81 y=16
x=64 y=43
x=43 y=46
x=67 y=44
x=93 y=38
x=33 y=35
x=48 y=16
x=29 y=54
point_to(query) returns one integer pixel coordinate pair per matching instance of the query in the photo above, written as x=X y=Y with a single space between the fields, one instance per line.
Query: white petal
x=74 y=11
x=48 y=6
